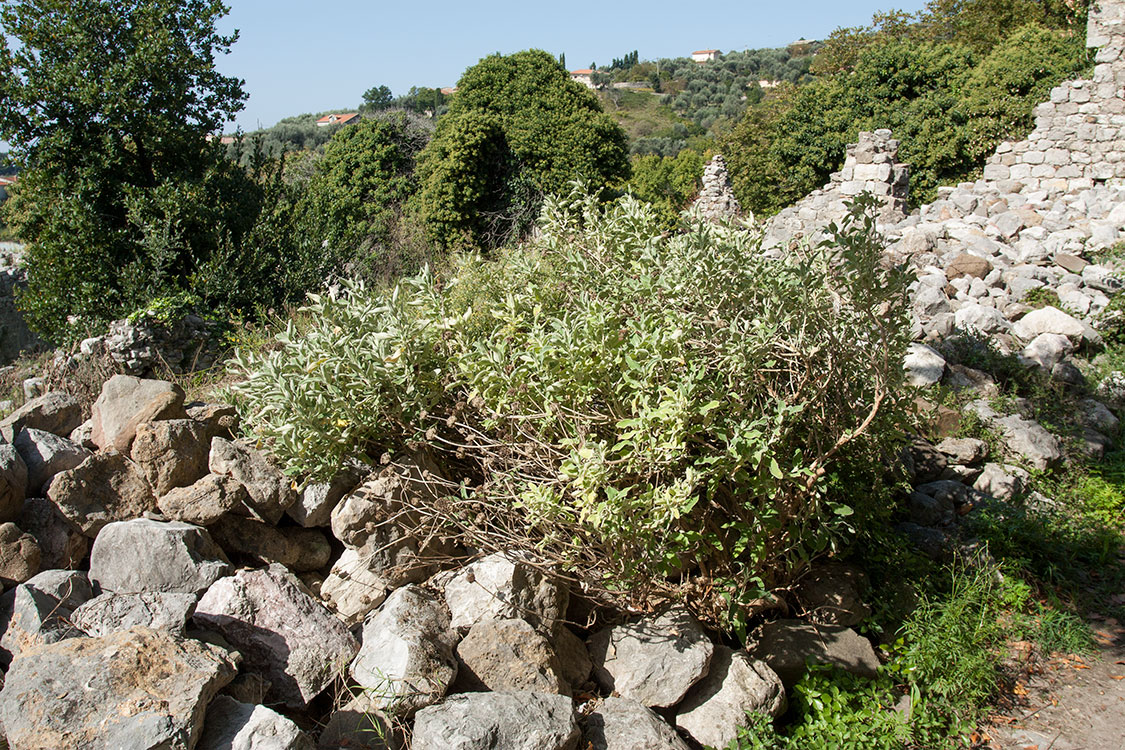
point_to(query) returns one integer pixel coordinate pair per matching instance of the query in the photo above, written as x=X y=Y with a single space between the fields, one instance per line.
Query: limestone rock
x=20 y=555
x=352 y=587
x=62 y=546
x=219 y=419
x=38 y=611
x=507 y=655
x=300 y=550
x=1002 y=482
x=204 y=502
x=111 y=613
x=13 y=482
x=406 y=658
x=54 y=412
x=104 y=488
x=1096 y=415
x=982 y=319
x=126 y=402
x=283 y=633
x=269 y=490
x=147 y=556
x=964 y=451
x=1030 y=441
x=377 y=514
x=924 y=366
x=501 y=587
x=970 y=265
x=172 y=453
x=232 y=725
x=316 y=502
x=622 y=724
x=486 y=721
x=654 y=661
x=1050 y=320
x=574 y=659
x=716 y=707
x=45 y=455
x=1047 y=350
x=141 y=689
x=359 y=725
x=786 y=645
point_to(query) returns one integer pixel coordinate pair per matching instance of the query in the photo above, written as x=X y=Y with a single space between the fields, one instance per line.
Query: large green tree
x=553 y=127
x=107 y=104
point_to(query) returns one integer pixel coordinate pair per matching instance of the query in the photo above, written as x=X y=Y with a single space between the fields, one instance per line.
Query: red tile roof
x=338 y=119
x=704 y=51
x=582 y=72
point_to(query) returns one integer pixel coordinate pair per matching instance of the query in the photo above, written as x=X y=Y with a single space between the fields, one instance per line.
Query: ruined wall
x=871 y=165
x=716 y=200
x=1079 y=137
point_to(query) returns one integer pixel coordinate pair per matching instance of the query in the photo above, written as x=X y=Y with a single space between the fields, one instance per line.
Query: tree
x=554 y=128
x=366 y=174
x=107 y=104
x=376 y=98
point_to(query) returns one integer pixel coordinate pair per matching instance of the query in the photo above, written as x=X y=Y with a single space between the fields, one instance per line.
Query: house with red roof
x=705 y=55
x=344 y=118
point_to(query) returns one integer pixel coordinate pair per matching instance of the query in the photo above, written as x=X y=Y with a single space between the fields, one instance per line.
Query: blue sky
x=307 y=56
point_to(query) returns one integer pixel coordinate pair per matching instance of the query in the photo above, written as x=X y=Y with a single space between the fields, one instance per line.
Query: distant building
x=226 y=140
x=337 y=119
x=449 y=91
x=705 y=55
x=585 y=76
x=767 y=84
x=802 y=47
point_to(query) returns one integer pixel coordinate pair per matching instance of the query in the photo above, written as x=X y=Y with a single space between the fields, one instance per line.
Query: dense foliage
x=107 y=104
x=617 y=398
x=668 y=183
x=949 y=93
x=553 y=128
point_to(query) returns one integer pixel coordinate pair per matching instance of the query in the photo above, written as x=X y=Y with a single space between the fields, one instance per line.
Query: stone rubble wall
x=716 y=200
x=872 y=166
x=1079 y=138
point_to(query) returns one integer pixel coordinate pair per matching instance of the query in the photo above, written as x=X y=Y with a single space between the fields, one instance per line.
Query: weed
x=1042 y=297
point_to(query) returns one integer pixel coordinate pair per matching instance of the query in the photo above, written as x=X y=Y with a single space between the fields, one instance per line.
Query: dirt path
x=1075 y=704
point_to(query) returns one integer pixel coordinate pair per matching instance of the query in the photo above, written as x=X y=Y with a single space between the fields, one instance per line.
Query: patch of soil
x=1073 y=703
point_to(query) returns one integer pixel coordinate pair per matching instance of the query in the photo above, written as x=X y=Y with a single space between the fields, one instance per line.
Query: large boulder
x=54 y=412
x=654 y=661
x=715 y=708
x=507 y=655
x=39 y=611
x=269 y=490
x=406 y=658
x=788 y=645
x=45 y=455
x=61 y=545
x=232 y=725
x=486 y=721
x=20 y=555
x=502 y=587
x=147 y=556
x=1030 y=441
x=140 y=689
x=924 y=366
x=282 y=631
x=1052 y=320
x=172 y=453
x=111 y=613
x=127 y=402
x=104 y=488
x=622 y=724
x=13 y=482
x=204 y=502
x=300 y=550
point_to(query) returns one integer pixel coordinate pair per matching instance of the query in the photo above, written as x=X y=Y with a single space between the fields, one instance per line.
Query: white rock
x=713 y=711
x=924 y=366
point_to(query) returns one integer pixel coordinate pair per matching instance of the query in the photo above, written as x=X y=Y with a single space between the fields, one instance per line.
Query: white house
x=337 y=119
x=705 y=55
x=585 y=76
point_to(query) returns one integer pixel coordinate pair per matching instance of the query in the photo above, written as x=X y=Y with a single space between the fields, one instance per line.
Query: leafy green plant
x=619 y=400
x=1042 y=297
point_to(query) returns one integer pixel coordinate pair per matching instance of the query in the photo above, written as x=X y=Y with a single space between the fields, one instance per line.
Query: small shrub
x=618 y=400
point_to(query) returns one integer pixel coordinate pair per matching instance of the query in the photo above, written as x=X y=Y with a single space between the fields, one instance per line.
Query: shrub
x=637 y=407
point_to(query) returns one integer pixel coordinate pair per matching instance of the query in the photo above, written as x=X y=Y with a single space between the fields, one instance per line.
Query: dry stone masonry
x=871 y=166
x=1079 y=137
x=716 y=199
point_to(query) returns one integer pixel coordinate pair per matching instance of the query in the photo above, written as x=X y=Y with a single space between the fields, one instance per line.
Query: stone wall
x=716 y=200
x=1079 y=138
x=871 y=165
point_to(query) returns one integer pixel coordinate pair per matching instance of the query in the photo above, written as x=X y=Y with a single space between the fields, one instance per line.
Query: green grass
x=641 y=113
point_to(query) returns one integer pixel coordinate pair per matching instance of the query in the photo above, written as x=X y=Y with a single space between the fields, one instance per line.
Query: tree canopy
x=107 y=104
